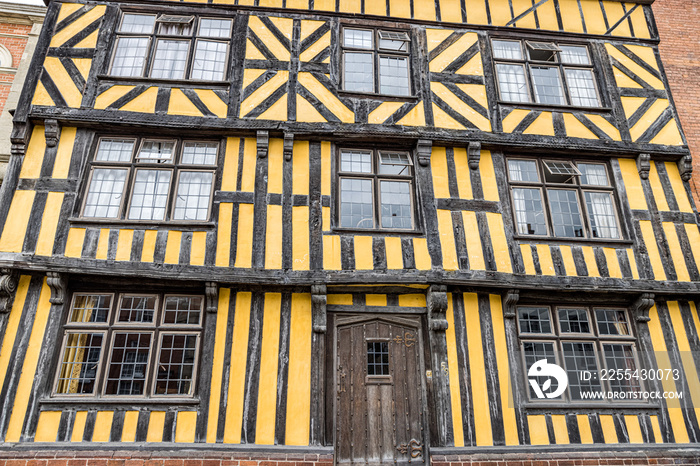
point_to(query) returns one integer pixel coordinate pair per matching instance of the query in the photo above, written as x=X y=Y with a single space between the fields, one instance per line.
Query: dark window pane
x=377 y=358
x=356 y=205
x=529 y=211
x=547 y=83
x=93 y=308
x=81 y=358
x=126 y=374
x=137 y=309
x=574 y=320
x=612 y=322
x=580 y=357
x=566 y=215
x=176 y=364
x=534 y=320
x=619 y=356
x=183 y=310
x=396 y=204
x=536 y=351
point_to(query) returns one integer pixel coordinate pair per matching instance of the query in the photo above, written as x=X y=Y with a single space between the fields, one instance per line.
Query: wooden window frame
x=155 y=35
x=376 y=53
x=175 y=166
x=557 y=338
x=526 y=62
x=580 y=190
x=157 y=328
x=376 y=179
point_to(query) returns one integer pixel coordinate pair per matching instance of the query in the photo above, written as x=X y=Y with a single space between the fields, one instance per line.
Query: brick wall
x=680 y=52
x=690 y=457
x=16 y=46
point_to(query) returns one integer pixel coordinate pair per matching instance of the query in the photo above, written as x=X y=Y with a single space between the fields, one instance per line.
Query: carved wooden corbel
x=8 y=286
x=424 y=149
x=211 y=292
x=509 y=301
x=263 y=143
x=437 y=307
x=685 y=166
x=474 y=155
x=52 y=132
x=318 y=308
x=641 y=307
x=57 y=283
x=288 y=146
x=643 y=165
x=19 y=137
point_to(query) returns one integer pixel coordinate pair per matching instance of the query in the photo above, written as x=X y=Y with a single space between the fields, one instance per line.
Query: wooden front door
x=379 y=392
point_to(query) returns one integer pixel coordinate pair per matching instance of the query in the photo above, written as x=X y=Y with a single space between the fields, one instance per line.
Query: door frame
x=414 y=321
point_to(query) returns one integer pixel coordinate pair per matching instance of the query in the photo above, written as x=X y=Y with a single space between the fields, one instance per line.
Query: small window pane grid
x=172 y=47
x=376 y=62
x=375 y=190
x=563 y=199
x=151 y=180
x=140 y=332
x=378 y=358
x=566 y=80
x=549 y=332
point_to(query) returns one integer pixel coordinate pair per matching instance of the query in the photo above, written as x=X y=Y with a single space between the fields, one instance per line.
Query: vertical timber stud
x=437 y=324
x=510 y=301
x=41 y=388
x=644 y=165
x=424 y=181
x=260 y=200
x=318 y=364
x=474 y=155
x=211 y=304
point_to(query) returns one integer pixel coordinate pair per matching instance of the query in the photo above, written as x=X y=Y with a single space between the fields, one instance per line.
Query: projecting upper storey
x=569 y=74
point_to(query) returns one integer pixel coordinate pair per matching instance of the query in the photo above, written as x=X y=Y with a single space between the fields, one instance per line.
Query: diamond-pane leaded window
x=563 y=198
x=375 y=190
x=136 y=345
x=145 y=171
x=172 y=47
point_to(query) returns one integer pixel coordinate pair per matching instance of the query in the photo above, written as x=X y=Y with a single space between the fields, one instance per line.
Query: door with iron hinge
x=379 y=406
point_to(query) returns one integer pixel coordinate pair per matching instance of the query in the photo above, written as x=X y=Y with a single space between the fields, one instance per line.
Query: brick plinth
x=158 y=458
x=587 y=458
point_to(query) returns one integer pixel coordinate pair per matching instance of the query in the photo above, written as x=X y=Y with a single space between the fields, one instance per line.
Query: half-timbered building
x=349 y=231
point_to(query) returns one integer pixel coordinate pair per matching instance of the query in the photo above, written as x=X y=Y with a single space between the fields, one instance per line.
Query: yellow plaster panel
x=299 y=378
x=499 y=242
x=180 y=104
x=326 y=97
x=545 y=256
x=269 y=360
x=156 y=425
x=34 y=155
x=612 y=262
x=691 y=230
x=103 y=426
x=67 y=9
x=380 y=114
x=213 y=102
x=375 y=300
x=568 y=260
x=510 y=424
x=443 y=120
x=608 y=426
x=461 y=107
x=424 y=10
x=631 y=104
x=364 y=256
x=657 y=189
x=412 y=300
x=476 y=92
x=331 y=253
x=324 y=5
x=47 y=426
x=300 y=245
x=340 y=299
x=250 y=75
x=589 y=259
x=593 y=15
x=488 y=177
x=463 y=174
x=649 y=118
x=644 y=52
x=12 y=239
x=421 y=254
x=149 y=246
x=652 y=249
x=477 y=12
x=76 y=26
x=273 y=237
x=308 y=26
x=275 y=157
x=538 y=430
x=635 y=68
x=438 y=165
x=263 y=92
x=447 y=240
x=198 y=248
x=252 y=52
x=614 y=12
x=223 y=241
x=79 y=426
x=677 y=254
x=669 y=135
x=102 y=244
x=451 y=53
x=561 y=430
x=13 y=320
x=415 y=117
x=307 y=113
x=325 y=168
x=624 y=81
x=656 y=428
x=300 y=168
x=277 y=111
x=111 y=95
x=519 y=7
x=633 y=264
x=542 y=125
x=639 y=22
x=480 y=393
x=453 y=365
x=256 y=25
x=42 y=97
x=74 y=243
x=677 y=184
x=64 y=153
x=633 y=184
x=250 y=157
x=634 y=431
x=237 y=372
x=603 y=124
x=500 y=12
x=185 y=426
x=172 y=247
x=436 y=37
x=394 y=253
x=513 y=119
x=83 y=65
x=689 y=367
x=450 y=11
x=90 y=42
x=350 y=6
x=547 y=16
x=584 y=427
x=400 y=8
x=570 y=15
x=49 y=223
x=131 y=420
x=528 y=260
x=244 y=245
x=576 y=129
x=70 y=93
x=221 y=317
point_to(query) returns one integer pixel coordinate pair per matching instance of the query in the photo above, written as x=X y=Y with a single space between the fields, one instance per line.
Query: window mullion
x=565 y=83
x=191 y=52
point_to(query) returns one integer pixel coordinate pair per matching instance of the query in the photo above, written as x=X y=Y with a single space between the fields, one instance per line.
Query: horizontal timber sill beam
x=207 y=126
x=193 y=6
x=164 y=449
x=482 y=279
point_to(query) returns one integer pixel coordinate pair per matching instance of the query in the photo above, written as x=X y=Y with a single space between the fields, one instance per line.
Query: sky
x=25 y=2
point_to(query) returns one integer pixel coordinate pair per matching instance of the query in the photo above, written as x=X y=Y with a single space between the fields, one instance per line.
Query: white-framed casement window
x=376 y=190
x=563 y=198
x=130 y=344
x=545 y=73
x=151 y=179
x=376 y=61
x=171 y=47
x=594 y=345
